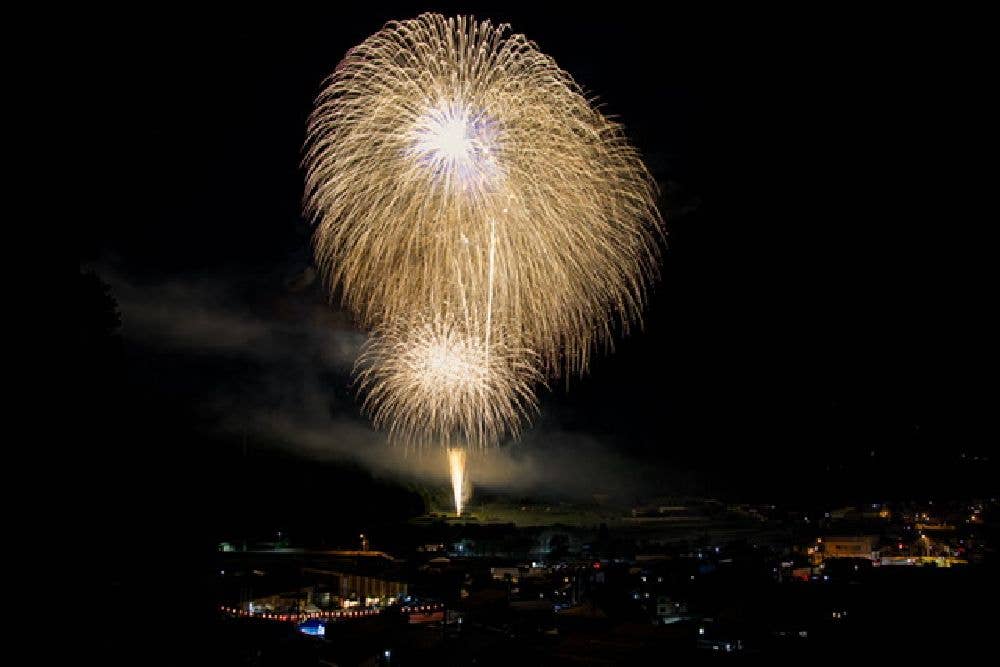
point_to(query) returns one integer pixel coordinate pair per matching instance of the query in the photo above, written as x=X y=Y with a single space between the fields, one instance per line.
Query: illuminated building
x=853 y=546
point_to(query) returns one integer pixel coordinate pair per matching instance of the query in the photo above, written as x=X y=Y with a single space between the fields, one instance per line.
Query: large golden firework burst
x=438 y=143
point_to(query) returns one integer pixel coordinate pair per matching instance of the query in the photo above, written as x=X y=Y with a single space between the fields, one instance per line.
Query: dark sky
x=823 y=324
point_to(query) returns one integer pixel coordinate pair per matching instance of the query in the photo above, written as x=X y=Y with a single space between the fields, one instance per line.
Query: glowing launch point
x=456 y=461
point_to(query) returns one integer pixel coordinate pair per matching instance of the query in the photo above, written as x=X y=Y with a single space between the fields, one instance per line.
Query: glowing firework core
x=445 y=136
x=451 y=140
x=453 y=365
x=456 y=462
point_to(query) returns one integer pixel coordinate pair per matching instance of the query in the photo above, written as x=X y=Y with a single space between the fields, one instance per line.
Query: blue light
x=313 y=627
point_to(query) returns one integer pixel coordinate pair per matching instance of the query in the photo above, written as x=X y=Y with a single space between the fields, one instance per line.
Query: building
x=852 y=546
x=669 y=611
x=363 y=589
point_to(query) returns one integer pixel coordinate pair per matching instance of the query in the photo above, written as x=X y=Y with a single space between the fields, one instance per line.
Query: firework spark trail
x=456 y=465
x=489 y=302
x=454 y=169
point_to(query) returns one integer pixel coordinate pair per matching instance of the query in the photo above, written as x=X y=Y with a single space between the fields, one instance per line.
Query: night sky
x=822 y=329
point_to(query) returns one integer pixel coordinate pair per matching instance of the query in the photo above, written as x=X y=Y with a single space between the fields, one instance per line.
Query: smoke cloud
x=295 y=354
